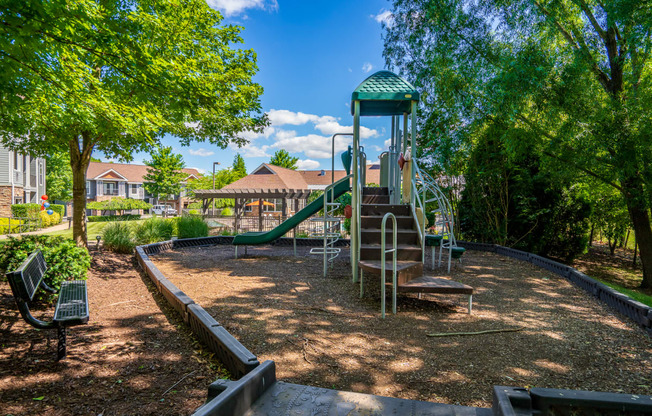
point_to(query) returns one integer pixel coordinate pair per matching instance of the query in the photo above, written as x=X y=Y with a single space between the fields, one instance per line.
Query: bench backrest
x=26 y=279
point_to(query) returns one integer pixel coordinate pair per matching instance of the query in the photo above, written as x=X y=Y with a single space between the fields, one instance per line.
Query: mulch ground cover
x=135 y=356
x=320 y=333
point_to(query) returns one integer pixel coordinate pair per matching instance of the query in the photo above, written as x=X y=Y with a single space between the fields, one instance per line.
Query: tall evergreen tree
x=283 y=159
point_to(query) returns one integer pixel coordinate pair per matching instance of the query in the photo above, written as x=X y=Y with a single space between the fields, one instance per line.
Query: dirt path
x=320 y=333
x=133 y=349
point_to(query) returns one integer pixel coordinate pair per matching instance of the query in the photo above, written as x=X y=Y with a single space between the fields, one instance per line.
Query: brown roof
x=268 y=176
x=133 y=173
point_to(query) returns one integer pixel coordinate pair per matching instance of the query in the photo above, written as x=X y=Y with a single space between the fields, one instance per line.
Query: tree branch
x=592 y=19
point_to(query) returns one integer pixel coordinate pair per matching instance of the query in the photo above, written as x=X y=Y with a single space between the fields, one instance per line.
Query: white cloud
x=367 y=67
x=282 y=117
x=235 y=7
x=254 y=151
x=385 y=16
x=250 y=135
x=312 y=145
x=201 y=152
x=307 y=164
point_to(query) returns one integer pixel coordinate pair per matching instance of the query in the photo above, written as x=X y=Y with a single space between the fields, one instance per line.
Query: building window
x=41 y=173
x=134 y=188
x=16 y=161
x=88 y=188
x=110 y=188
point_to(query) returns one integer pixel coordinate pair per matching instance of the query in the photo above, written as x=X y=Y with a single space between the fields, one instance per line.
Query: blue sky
x=311 y=55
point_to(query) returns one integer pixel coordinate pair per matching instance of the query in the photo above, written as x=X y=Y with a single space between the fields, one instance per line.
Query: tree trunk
x=79 y=161
x=591 y=235
x=643 y=231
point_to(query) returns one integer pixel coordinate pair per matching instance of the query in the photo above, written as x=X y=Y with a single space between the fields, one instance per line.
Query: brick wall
x=5 y=199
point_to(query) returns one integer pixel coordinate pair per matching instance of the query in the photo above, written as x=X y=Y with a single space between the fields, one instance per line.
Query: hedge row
x=108 y=218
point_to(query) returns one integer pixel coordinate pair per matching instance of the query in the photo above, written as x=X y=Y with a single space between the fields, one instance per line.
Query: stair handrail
x=328 y=234
x=383 y=253
x=421 y=228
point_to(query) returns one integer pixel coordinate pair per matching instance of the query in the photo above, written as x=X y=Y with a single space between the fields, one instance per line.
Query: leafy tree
x=223 y=177
x=239 y=167
x=95 y=159
x=59 y=177
x=513 y=201
x=165 y=174
x=115 y=76
x=574 y=74
x=283 y=159
x=118 y=204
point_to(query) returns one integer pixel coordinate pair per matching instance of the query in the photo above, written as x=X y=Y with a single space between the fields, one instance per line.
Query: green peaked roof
x=384 y=94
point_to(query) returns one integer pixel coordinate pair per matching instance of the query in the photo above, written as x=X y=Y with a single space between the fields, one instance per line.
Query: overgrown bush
x=109 y=218
x=191 y=227
x=59 y=209
x=227 y=212
x=48 y=220
x=153 y=230
x=117 y=237
x=65 y=260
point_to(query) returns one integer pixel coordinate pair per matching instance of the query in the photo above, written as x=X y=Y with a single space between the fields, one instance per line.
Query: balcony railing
x=111 y=192
x=32 y=181
x=18 y=177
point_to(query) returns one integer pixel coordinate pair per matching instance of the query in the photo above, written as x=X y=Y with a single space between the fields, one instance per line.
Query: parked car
x=163 y=210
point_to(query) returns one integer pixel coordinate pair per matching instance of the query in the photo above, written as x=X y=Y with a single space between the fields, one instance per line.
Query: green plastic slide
x=255 y=238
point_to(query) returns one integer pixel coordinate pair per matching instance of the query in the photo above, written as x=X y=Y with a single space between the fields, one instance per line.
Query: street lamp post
x=214 y=164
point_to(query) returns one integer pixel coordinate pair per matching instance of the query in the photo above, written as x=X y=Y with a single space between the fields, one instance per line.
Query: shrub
x=25 y=210
x=10 y=225
x=117 y=237
x=191 y=227
x=153 y=230
x=109 y=218
x=59 y=209
x=227 y=212
x=49 y=219
x=65 y=260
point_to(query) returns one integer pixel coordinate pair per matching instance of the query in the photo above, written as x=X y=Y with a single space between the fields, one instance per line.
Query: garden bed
x=320 y=333
x=125 y=361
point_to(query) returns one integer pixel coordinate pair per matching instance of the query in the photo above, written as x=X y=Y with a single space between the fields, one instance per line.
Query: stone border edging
x=637 y=311
x=235 y=357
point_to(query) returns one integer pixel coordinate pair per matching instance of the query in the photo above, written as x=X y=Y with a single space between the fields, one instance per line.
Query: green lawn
x=94 y=229
x=634 y=294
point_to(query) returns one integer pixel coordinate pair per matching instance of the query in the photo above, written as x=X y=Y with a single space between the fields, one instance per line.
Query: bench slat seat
x=72 y=306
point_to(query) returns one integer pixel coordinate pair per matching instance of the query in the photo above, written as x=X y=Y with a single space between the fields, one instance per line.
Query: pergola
x=242 y=195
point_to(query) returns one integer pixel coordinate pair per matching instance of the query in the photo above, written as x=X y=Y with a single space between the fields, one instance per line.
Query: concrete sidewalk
x=58 y=227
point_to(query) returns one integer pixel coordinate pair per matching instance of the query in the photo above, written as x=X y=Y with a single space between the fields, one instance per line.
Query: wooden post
x=260 y=214
x=236 y=209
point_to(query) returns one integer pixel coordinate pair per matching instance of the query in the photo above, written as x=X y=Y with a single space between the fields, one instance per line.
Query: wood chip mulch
x=320 y=333
x=126 y=361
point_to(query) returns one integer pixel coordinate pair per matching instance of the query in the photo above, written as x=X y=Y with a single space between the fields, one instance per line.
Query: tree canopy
x=570 y=78
x=164 y=175
x=283 y=159
x=58 y=179
x=115 y=76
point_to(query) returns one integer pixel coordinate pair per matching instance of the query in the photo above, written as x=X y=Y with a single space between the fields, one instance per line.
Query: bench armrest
x=47 y=288
x=27 y=316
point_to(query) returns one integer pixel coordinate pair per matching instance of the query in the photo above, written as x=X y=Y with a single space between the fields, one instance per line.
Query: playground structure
x=406 y=192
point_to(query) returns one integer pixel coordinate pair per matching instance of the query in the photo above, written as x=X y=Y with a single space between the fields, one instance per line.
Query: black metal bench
x=72 y=304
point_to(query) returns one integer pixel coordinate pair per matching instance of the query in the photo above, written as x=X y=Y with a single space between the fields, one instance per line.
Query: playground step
x=405 y=252
x=372 y=236
x=405 y=270
x=374 y=190
x=382 y=209
x=429 y=284
x=374 y=221
x=375 y=199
